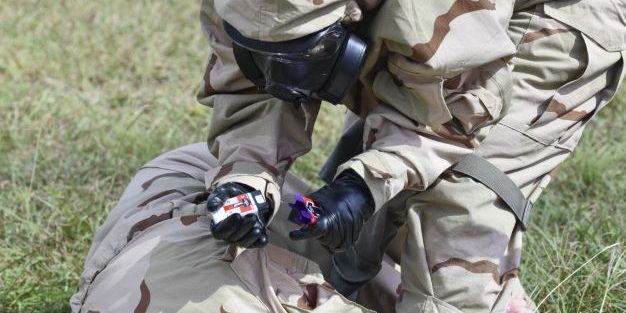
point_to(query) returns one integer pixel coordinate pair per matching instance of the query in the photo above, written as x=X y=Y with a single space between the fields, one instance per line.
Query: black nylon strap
x=247 y=65
x=486 y=173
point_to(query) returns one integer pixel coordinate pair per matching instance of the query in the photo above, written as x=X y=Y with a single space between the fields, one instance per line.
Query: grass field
x=90 y=90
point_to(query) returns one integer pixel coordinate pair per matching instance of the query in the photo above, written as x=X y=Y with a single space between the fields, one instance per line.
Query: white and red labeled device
x=244 y=204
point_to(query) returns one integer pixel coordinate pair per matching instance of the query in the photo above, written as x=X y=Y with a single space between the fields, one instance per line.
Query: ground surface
x=90 y=90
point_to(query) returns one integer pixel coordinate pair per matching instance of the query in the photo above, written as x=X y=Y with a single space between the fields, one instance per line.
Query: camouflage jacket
x=445 y=62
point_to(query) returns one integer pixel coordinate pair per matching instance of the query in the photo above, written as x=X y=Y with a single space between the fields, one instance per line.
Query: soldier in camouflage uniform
x=512 y=82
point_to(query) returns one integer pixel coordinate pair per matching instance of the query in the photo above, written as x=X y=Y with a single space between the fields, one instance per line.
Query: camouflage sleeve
x=272 y=20
x=257 y=137
x=443 y=82
x=254 y=136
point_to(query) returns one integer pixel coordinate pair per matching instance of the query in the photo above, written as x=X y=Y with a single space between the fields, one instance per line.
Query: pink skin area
x=518 y=305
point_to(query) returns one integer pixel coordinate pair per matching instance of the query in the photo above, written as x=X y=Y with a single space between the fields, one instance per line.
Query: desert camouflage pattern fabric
x=515 y=82
x=155 y=253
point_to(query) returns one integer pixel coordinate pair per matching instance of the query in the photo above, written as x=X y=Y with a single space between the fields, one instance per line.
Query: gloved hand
x=247 y=231
x=345 y=204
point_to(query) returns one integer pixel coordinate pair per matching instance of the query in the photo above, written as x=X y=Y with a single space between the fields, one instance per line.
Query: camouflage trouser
x=155 y=253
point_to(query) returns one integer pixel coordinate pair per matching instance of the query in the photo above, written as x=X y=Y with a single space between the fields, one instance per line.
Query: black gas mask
x=325 y=64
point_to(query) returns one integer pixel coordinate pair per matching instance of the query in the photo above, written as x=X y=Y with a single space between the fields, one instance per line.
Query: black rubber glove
x=345 y=204
x=247 y=231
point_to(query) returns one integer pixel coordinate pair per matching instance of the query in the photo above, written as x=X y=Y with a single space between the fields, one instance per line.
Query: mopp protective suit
x=510 y=83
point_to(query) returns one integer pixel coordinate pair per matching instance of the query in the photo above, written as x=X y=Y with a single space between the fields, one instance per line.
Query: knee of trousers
x=463 y=246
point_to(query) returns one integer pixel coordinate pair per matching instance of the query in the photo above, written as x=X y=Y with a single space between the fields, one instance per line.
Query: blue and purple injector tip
x=304 y=211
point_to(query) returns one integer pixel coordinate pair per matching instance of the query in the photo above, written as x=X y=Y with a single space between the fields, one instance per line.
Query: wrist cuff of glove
x=376 y=186
x=350 y=177
x=250 y=174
